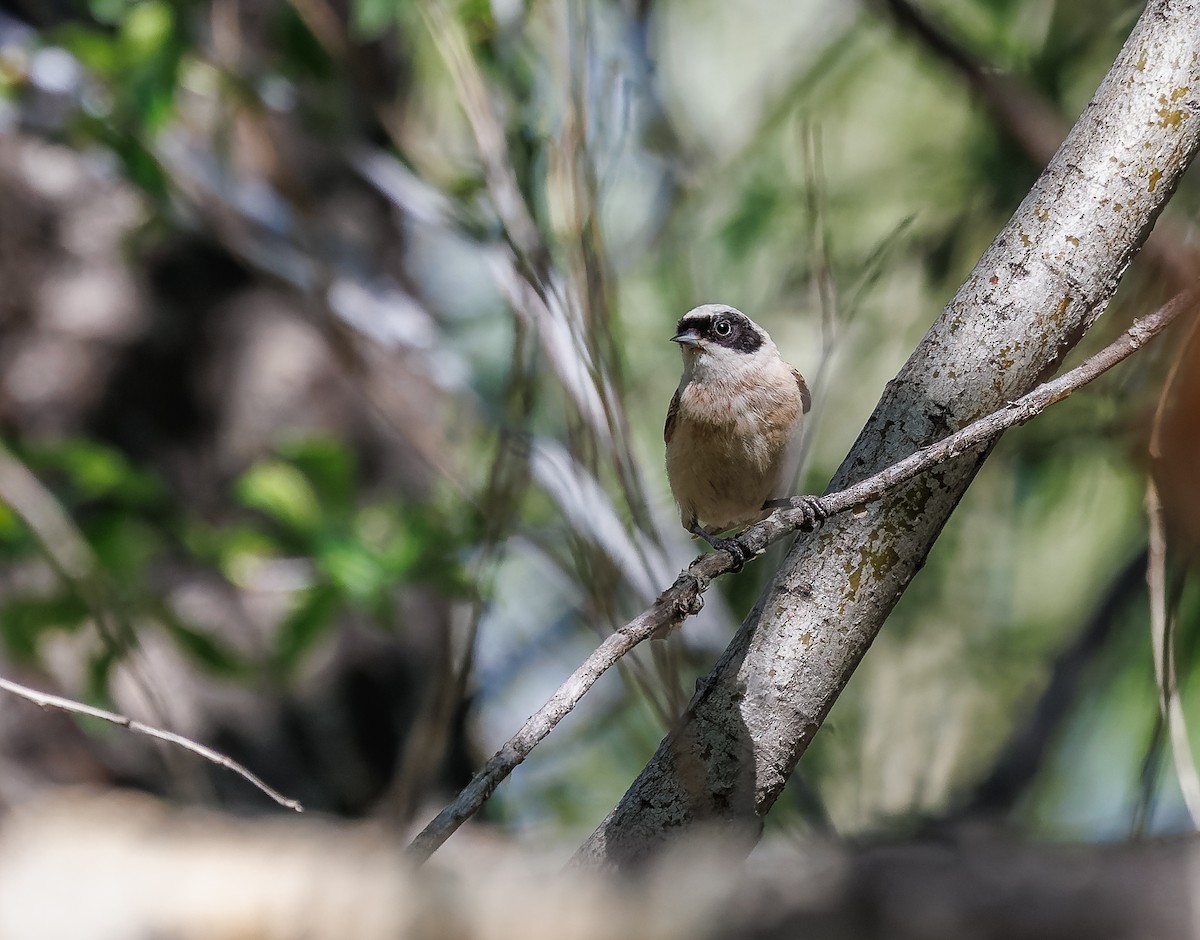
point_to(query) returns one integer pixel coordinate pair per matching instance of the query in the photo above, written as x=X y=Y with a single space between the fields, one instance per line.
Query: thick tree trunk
x=1038 y=288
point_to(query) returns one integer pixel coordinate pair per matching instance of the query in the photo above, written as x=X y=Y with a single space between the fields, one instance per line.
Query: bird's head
x=717 y=339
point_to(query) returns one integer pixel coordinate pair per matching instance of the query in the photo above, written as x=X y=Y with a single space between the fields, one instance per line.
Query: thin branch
x=1163 y=615
x=72 y=560
x=1162 y=640
x=46 y=700
x=685 y=596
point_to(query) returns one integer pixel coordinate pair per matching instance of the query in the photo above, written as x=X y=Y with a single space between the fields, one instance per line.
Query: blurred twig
x=62 y=544
x=508 y=481
x=46 y=700
x=447 y=34
x=1162 y=638
x=685 y=596
x=1162 y=616
x=823 y=276
x=567 y=307
x=1020 y=759
x=72 y=560
x=1026 y=115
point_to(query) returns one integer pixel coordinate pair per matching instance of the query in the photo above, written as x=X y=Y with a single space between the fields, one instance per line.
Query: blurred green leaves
x=90 y=471
x=303 y=512
x=133 y=53
x=356 y=553
x=281 y=491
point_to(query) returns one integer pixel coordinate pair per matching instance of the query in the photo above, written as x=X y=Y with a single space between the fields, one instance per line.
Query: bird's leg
x=814 y=510
x=732 y=547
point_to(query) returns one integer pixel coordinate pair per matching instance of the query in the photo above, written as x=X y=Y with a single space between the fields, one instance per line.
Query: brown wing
x=805 y=395
x=672 y=414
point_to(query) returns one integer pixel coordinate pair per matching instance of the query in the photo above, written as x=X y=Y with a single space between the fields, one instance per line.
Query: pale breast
x=730 y=452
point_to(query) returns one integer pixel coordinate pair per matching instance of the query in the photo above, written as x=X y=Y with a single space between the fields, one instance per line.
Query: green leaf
x=108 y=12
x=753 y=218
x=124 y=545
x=282 y=492
x=147 y=28
x=96 y=684
x=97 y=471
x=312 y=617
x=141 y=166
x=356 y=570
x=10 y=526
x=24 y=619
x=205 y=649
x=91 y=47
x=238 y=551
x=302 y=55
x=371 y=18
x=330 y=467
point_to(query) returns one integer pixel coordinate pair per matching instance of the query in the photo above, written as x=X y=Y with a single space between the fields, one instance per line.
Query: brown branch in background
x=685 y=596
x=1022 y=112
x=46 y=700
x=1035 y=124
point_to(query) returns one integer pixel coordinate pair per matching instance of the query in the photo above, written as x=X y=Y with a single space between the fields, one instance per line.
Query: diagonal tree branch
x=686 y=594
x=70 y=706
x=1045 y=279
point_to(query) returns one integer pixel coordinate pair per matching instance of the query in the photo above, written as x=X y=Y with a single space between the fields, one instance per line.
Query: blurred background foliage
x=333 y=361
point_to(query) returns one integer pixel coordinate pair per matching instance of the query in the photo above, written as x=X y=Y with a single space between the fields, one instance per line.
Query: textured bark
x=1043 y=282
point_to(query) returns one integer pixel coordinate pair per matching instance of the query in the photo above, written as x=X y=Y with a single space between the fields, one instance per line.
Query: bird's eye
x=722 y=328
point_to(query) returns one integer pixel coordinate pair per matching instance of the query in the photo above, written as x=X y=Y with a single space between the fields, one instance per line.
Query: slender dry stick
x=685 y=596
x=71 y=559
x=1162 y=621
x=1162 y=641
x=46 y=700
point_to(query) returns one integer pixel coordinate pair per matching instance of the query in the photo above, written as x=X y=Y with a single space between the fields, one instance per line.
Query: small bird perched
x=733 y=428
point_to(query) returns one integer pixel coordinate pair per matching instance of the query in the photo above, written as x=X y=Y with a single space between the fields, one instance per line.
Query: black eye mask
x=742 y=336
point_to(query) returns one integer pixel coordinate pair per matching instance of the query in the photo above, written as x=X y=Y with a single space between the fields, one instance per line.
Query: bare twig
x=46 y=700
x=685 y=596
x=1017 y=763
x=72 y=560
x=1162 y=639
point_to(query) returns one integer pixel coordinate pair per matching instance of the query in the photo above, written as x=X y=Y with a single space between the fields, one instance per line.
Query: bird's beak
x=688 y=337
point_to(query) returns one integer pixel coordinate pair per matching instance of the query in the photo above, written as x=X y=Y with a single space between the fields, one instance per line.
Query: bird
x=733 y=428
